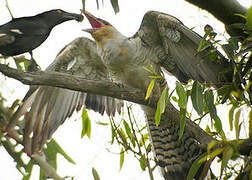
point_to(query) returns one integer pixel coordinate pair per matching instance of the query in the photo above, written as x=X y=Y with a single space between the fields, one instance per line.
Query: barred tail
x=173 y=156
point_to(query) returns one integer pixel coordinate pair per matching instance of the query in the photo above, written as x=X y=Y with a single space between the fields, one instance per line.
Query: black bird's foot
x=33 y=66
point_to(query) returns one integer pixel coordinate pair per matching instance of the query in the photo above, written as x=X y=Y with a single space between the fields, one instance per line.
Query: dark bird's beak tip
x=79 y=18
x=73 y=16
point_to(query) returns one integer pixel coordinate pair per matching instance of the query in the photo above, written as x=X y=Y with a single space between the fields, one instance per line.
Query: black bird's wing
x=51 y=106
x=177 y=49
x=22 y=35
x=6 y=37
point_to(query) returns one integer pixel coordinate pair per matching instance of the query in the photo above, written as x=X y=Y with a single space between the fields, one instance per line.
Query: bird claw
x=33 y=66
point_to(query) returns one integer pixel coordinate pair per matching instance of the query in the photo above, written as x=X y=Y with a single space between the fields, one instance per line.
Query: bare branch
x=8 y=7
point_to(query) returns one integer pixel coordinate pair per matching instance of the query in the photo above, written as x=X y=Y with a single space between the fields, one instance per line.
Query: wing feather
x=180 y=44
x=46 y=108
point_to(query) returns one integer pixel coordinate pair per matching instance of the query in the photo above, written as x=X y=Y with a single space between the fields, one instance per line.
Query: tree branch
x=224 y=10
x=107 y=88
x=78 y=83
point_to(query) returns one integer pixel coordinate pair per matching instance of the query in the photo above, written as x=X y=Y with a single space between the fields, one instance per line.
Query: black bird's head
x=57 y=16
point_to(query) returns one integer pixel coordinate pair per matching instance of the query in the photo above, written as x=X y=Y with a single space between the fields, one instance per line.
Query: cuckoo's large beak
x=94 y=21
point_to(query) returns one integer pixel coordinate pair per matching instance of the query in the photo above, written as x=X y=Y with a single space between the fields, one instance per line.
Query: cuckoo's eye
x=59 y=11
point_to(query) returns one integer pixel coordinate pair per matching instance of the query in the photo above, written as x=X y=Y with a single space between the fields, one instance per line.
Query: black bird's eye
x=59 y=11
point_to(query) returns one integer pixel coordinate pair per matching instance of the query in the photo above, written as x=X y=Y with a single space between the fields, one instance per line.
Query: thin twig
x=8 y=7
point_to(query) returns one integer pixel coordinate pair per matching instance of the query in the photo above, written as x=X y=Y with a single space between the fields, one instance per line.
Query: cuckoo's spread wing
x=46 y=108
x=178 y=46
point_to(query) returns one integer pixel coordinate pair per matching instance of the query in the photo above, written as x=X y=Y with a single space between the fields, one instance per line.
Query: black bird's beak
x=72 y=16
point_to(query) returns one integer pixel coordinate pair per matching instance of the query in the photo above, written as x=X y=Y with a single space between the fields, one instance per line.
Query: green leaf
x=212 y=155
x=51 y=153
x=128 y=132
x=95 y=174
x=207 y=129
x=197 y=97
x=121 y=158
x=158 y=115
x=83 y=5
x=195 y=167
x=227 y=154
x=209 y=99
x=162 y=102
x=236 y=123
x=86 y=124
x=210 y=146
x=182 y=123
x=174 y=98
x=26 y=65
x=182 y=95
x=19 y=67
x=143 y=139
x=148 y=149
x=206 y=168
x=218 y=126
x=142 y=162
x=127 y=128
x=249 y=18
x=122 y=136
x=112 y=132
x=115 y=5
x=149 y=90
x=54 y=145
x=19 y=60
x=231 y=117
x=51 y=156
x=146 y=69
x=102 y=123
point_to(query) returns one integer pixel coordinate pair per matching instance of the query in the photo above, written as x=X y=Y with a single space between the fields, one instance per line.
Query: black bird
x=24 y=34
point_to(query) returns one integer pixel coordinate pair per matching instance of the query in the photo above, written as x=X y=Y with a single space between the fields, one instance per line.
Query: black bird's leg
x=33 y=66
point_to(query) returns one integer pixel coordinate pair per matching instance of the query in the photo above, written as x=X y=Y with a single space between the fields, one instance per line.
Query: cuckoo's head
x=101 y=29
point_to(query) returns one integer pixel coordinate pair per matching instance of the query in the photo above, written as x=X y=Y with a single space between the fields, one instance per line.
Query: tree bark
x=78 y=83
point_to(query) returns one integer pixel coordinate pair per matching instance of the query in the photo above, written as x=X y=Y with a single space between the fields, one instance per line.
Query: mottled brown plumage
x=162 y=41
